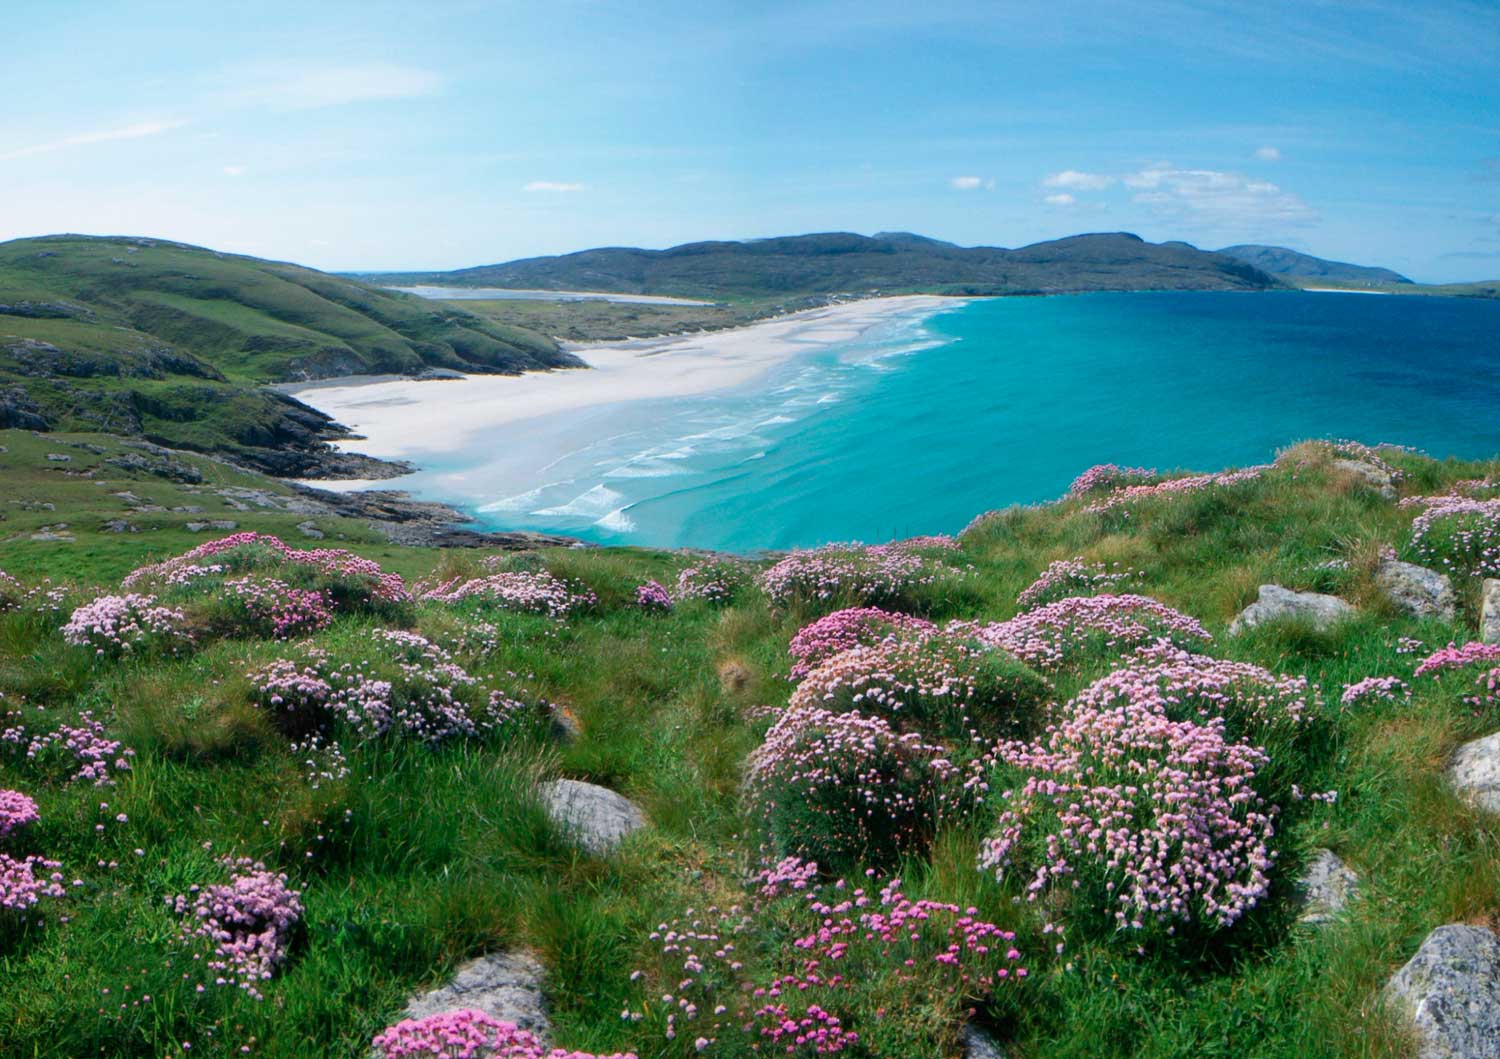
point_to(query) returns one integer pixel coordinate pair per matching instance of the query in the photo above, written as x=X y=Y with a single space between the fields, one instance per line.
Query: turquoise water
x=926 y=421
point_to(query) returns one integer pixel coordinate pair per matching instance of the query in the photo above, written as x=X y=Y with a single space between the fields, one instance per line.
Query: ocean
x=929 y=419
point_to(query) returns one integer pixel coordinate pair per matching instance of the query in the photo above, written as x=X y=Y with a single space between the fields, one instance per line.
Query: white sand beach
x=405 y=418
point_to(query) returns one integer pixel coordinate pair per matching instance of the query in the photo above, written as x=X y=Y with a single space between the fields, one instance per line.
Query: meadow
x=267 y=787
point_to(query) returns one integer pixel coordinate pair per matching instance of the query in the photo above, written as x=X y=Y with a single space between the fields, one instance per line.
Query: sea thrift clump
x=1460 y=534
x=653 y=596
x=1153 y=823
x=83 y=752
x=1058 y=634
x=12 y=593
x=1372 y=690
x=115 y=625
x=1103 y=477
x=841 y=788
x=525 y=591
x=875 y=575
x=714 y=581
x=1071 y=577
x=937 y=684
x=249 y=922
x=277 y=609
x=469 y=1034
x=16 y=811
x=25 y=881
x=1130 y=494
x=1455 y=657
x=834 y=633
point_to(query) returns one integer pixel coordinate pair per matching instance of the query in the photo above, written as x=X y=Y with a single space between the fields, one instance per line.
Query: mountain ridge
x=1284 y=261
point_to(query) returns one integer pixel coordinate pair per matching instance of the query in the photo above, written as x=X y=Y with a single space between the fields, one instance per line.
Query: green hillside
x=171 y=342
x=1280 y=261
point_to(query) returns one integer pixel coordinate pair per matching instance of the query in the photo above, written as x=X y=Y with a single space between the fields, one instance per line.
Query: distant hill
x=172 y=342
x=1280 y=261
x=844 y=263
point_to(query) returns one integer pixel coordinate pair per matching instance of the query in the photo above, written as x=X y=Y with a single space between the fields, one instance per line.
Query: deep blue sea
x=926 y=421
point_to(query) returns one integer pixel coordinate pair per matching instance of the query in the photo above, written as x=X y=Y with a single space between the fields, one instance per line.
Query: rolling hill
x=173 y=343
x=890 y=262
x=1280 y=261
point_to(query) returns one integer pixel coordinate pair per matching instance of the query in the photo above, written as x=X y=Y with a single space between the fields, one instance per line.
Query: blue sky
x=444 y=133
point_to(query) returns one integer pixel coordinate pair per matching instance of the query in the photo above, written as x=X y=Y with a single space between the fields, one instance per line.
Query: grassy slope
x=171 y=341
x=445 y=854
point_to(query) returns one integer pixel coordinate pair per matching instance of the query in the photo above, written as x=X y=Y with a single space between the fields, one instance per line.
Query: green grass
x=422 y=858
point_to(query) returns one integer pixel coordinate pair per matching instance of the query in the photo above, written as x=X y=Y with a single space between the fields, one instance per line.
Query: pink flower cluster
x=1130 y=494
x=1103 y=477
x=835 y=633
x=249 y=921
x=653 y=596
x=714 y=581
x=1071 y=577
x=12 y=593
x=873 y=574
x=83 y=751
x=1057 y=634
x=24 y=881
x=16 y=811
x=1455 y=657
x=1459 y=533
x=114 y=625
x=278 y=608
x=469 y=1034
x=526 y=591
x=1156 y=822
x=1372 y=690
x=355 y=576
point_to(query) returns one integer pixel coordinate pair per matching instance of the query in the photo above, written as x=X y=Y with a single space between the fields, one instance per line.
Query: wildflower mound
x=834 y=633
x=884 y=575
x=247 y=923
x=468 y=1034
x=1079 y=628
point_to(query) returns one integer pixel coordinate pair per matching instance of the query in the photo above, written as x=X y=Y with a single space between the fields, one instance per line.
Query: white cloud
x=1222 y=199
x=1062 y=198
x=234 y=170
x=552 y=185
x=123 y=132
x=971 y=183
x=1268 y=154
x=1073 y=180
x=334 y=86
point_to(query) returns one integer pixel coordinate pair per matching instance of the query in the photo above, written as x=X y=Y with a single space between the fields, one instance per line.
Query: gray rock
x=54 y=534
x=504 y=985
x=1275 y=603
x=978 y=1044
x=214 y=523
x=118 y=525
x=595 y=817
x=1474 y=771
x=310 y=529
x=1489 y=611
x=1325 y=887
x=58 y=457
x=189 y=509
x=1376 y=478
x=1416 y=589
x=1450 y=990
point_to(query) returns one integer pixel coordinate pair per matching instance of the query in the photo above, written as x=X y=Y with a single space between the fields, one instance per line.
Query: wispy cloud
x=1073 y=180
x=122 y=132
x=1214 y=197
x=234 y=170
x=552 y=185
x=1062 y=198
x=335 y=86
x=971 y=183
x=1268 y=154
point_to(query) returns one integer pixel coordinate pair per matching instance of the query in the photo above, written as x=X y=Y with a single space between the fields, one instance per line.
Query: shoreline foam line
x=407 y=418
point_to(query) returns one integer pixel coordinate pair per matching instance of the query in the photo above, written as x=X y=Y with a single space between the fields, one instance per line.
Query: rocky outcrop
x=1450 y=991
x=1377 y=478
x=158 y=462
x=1275 y=603
x=1417 y=590
x=595 y=817
x=1474 y=771
x=1326 y=885
x=18 y=410
x=1489 y=610
x=978 y=1044
x=503 y=985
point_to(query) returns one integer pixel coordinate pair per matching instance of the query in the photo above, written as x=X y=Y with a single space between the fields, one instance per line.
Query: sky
x=427 y=134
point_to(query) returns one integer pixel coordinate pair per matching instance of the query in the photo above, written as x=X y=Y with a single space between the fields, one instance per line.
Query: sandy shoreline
x=405 y=418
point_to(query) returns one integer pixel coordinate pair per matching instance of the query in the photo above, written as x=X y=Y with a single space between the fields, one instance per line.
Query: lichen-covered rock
x=503 y=985
x=1377 y=478
x=1275 y=603
x=595 y=817
x=1474 y=772
x=1416 y=589
x=1489 y=611
x=310 y=529
x=1325 y=887
x=1451 y=992
x=978 y=1044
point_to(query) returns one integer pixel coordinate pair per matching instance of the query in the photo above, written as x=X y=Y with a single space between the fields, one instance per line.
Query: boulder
x=1377 y=478
x=1489 y=611
x=1415 y=589
x=1326 y=885
x=978 y=1044
x=310 y=529
x=59 y=457
x=1275 y=603
x=213 y=523
x=1450 y=990
x=595 y=817
x=119 y=525
x=503 y=985
x=1474 y=771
